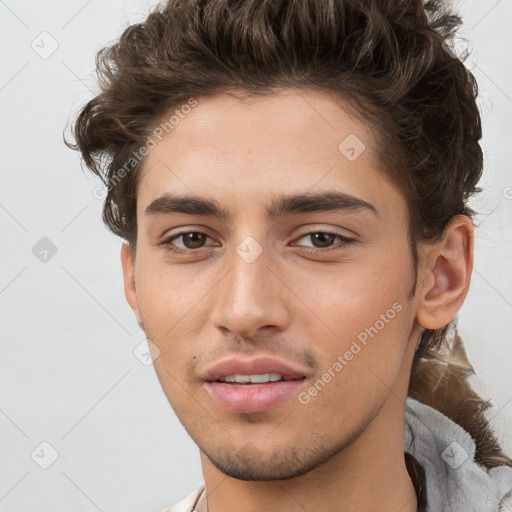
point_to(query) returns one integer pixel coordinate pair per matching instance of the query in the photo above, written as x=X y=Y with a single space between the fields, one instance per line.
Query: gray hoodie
x=454 y=482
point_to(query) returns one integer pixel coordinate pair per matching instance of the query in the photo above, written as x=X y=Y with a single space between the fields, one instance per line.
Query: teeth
x=258 y=379
x=253 y=379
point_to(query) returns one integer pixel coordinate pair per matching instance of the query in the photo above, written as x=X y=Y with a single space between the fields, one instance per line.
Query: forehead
x=248 y=148
x=300 y=118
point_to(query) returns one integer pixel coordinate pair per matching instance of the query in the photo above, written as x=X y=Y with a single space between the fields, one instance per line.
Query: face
x=288 y=265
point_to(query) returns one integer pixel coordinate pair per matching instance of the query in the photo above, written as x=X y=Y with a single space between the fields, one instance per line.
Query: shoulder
x=188 y=503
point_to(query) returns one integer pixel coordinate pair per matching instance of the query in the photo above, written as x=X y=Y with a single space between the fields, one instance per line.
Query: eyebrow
x=278 y=207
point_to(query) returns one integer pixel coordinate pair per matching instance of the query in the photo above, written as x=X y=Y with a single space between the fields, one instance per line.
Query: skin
x=344 y=449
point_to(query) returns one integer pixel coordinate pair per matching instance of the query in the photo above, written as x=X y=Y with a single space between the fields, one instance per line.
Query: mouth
x=259 y=378
x=253 y=385
x=257 y=370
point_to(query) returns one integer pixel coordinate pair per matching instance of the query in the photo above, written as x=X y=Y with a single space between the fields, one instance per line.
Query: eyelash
x=346 y=242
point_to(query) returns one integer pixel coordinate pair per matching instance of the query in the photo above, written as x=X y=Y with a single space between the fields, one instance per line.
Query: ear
x=446 y=269
x=130 y=291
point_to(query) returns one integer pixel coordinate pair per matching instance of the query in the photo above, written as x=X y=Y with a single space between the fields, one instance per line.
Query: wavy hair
x=389 y=60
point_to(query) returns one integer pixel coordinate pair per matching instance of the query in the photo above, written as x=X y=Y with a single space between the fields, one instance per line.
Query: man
x=298 y=245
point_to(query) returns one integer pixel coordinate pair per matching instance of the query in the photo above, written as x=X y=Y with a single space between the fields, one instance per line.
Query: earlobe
x=446 y=274
x=130 y=291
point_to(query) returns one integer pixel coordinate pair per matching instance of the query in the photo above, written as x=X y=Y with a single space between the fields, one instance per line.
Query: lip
x=252 y=397
x=254 y=366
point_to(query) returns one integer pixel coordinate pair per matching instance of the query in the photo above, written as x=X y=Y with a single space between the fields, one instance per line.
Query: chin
x=250 y=464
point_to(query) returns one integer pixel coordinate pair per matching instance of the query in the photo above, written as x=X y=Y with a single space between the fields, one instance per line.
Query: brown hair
x=390 y=61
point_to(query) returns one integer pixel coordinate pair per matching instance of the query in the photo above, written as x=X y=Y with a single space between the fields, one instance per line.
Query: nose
x=251 y=296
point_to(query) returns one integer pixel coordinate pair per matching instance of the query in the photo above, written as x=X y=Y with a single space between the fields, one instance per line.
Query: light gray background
x=68 y=374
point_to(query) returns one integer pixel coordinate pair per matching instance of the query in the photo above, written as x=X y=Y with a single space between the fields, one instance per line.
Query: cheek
x=168 y=295
x=357 y=372
x=351 y=296
x=364 y=318
x=167 y=312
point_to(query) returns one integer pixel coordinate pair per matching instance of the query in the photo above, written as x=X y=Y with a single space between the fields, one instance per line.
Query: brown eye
x=321 y=239
x=191 y=240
